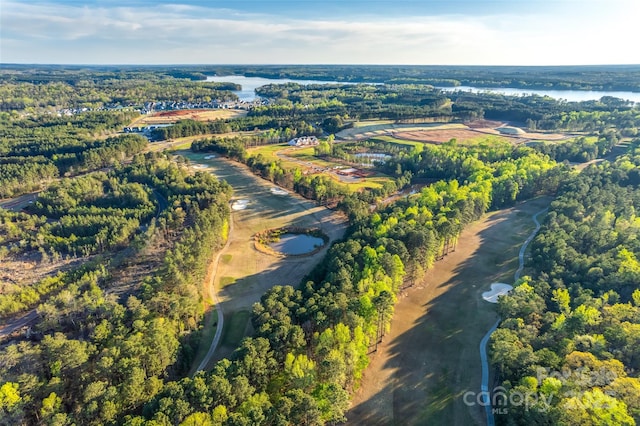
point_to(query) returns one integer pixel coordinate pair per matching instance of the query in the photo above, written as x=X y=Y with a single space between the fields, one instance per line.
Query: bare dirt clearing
x=245 y=274
x=167 y=117
x=28 y=268
x=430 y=357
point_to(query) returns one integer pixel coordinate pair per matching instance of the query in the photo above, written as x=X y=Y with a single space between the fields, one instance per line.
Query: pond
x=294 y=244
x=368 y=158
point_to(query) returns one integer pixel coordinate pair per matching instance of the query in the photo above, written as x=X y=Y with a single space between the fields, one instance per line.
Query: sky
x=411 y=32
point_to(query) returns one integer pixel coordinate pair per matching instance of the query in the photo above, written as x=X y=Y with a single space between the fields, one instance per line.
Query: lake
x=569 y=95
x=249 y=85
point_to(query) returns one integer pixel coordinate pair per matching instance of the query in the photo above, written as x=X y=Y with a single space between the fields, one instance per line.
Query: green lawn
x=268 y=151
x=235 y=328
x=225 y=281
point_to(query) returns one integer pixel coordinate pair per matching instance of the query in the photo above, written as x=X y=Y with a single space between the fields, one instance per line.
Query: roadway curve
x=216 y=301
x=484 y=386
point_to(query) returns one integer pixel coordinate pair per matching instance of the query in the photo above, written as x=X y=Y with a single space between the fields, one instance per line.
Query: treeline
x=545 y=113
x=99 y=355
x=579 y=150
x=569 y=331
x=362 y=101
x=34 y=150
x=621 y=77
x=51 y=90
x=275 y=130
x=600 y=77
x=514 y=172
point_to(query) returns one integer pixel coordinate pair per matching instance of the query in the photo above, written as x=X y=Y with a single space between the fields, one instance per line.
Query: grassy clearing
x=235 y=328
x=369 y=123
x=268 y=151
x=226 y=258
x=485 y=139
x=225 y=281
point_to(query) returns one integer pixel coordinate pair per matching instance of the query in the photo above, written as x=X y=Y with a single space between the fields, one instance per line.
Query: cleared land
x=441 y=136
x=365 y=129
x=430 y=358
x=167 y=117
x=243 y=273
x=439 y=132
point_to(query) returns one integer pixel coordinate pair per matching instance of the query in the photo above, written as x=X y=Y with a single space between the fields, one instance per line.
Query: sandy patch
x=278 y=191
x=239 y=205
x=497 y=289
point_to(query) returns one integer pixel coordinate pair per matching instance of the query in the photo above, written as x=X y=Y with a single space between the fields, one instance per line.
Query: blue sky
x=454 y=32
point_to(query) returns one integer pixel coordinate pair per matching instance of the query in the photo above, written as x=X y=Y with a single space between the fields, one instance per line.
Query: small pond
x=293 y=244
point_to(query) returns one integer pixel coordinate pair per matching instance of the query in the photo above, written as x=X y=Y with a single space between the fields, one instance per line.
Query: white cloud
x=48 y=33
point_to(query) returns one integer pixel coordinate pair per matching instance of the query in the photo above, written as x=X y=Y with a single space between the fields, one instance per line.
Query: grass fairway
x=268 y=151
x=244 y=274
x=430 y=358
x=235 y=328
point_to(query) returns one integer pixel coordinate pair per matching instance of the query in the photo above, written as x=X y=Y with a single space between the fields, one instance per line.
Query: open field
x=367 y=129
x=166 y=117
x=244 y=274
x=463 y=136
x=430 y=357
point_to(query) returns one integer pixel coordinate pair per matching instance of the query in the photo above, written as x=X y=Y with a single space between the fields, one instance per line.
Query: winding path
x=216 y=301
x=484 y=386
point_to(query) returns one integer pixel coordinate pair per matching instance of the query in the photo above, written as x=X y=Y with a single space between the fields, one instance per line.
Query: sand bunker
x=497 y=289
x=209 y=157
x=239 y=204
x=278 y=191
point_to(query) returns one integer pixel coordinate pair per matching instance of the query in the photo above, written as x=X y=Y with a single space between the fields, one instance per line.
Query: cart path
x=484 y=386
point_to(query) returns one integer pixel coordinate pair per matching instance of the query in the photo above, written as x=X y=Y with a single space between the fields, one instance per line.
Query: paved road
x=484 y=384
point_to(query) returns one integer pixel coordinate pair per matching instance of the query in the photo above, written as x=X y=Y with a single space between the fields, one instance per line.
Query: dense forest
x=91 y=88
x=103 y=346
x=35 y=150
x=124 y=239
x=569 y=330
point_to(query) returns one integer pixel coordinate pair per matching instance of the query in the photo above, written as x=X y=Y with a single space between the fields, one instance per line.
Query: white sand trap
x=278 y=191
x=239 y=204
x=209 y=157
x=497 y=289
